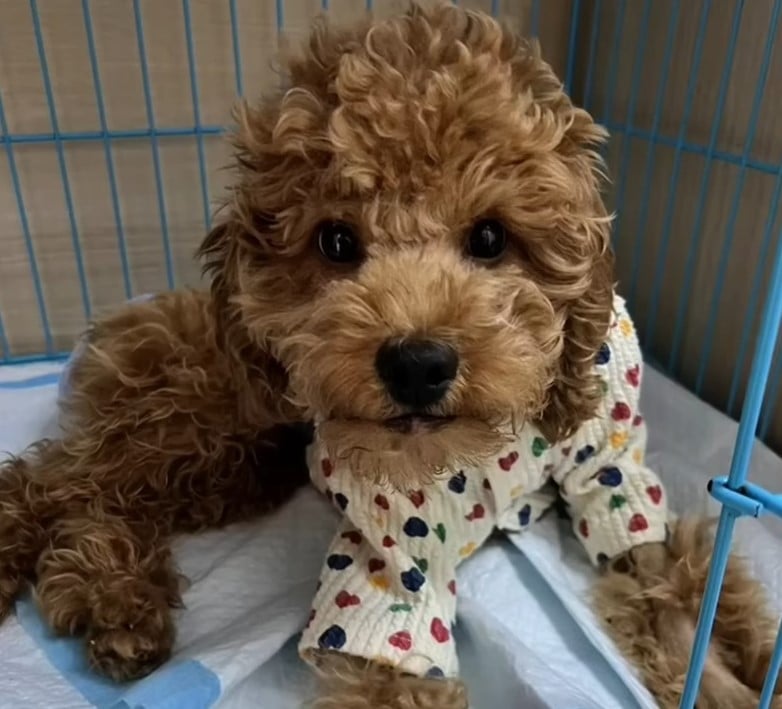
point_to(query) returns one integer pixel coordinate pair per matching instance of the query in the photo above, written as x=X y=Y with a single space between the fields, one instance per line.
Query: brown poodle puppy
x=356 y=192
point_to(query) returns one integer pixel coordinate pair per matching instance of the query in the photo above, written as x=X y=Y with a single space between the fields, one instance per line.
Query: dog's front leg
x=649 y=599
x=346 y=682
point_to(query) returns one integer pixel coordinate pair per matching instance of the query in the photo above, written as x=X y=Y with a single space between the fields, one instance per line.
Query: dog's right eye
x=338 y=242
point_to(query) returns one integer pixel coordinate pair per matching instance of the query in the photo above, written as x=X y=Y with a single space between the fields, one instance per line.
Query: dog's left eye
x=338 y=242
x=487 y=240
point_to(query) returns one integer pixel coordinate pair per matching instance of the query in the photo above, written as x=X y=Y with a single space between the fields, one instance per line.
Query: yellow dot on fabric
x=380 y=582
x=638 y=456
x=380 y=521
x=618 y=439
x=516 y=491
x=467 y=549
x=625 y=327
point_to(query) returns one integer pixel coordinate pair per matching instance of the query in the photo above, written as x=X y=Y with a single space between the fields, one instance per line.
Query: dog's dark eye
x=338 y=242
x=487 y=240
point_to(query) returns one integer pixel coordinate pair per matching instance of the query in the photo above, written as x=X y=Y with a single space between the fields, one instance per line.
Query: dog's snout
x=417 y=373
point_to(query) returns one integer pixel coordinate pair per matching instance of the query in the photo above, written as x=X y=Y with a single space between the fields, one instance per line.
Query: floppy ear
x=577 y=390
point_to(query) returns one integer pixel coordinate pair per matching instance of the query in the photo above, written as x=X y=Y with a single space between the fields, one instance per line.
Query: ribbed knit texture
x=388 y=591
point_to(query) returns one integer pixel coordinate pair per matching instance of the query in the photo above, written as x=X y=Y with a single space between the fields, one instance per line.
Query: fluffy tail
x=23 y=519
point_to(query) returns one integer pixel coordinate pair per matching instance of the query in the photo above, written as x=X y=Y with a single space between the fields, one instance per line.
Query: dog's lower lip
x=410 y=422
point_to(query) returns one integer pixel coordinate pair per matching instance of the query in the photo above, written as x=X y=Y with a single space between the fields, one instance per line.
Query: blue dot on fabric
x=610 y=477
x=332 y=638
x=338 y=562
x=524 y=515
x=603 y=354
x=341 y=500
x=416 y=527
x=457 y=482
x=413 y=579
x=584 y=454
x=435 y=673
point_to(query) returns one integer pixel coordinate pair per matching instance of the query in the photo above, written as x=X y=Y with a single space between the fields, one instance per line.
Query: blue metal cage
x=628 y=63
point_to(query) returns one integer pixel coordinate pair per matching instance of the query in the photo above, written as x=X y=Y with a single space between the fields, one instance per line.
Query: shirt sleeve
x=387 y=591
x=615 y=501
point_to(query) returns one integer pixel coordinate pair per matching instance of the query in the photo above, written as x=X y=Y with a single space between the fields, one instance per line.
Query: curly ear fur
x=587 y=289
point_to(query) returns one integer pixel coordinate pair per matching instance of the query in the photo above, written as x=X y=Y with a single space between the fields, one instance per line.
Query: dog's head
x=417 y=236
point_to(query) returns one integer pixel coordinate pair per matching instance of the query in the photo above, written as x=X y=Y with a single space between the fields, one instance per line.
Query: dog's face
x=418 y=238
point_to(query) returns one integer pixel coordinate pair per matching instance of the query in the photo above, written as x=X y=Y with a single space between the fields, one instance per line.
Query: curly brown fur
x=650 y=608
x=158 y=437
x=351 y=683
x=193 y=410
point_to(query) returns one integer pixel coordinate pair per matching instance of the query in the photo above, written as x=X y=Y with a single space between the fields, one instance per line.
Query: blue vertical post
x=161 y=200
x=236 y=48
x=96 y=82
x=761 y=364
x=192 y=71
x=593 y=35
x=66 y=184
x=575 y=14
x=535 y=23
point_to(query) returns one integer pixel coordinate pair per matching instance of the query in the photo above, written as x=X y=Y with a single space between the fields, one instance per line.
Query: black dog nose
x=417 y=373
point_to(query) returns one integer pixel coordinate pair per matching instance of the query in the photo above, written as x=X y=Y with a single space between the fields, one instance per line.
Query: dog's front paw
x=130 y=634
x=649 y=601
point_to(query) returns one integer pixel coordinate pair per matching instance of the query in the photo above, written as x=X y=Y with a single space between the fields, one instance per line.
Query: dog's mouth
x=417 y=423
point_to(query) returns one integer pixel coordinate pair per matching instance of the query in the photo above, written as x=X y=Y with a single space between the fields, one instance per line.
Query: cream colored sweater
x=388 y=591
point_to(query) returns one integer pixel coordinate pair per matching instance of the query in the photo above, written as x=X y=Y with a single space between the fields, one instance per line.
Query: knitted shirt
x=387 y=592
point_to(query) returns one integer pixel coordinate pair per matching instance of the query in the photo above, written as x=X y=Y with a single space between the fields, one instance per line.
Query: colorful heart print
x=412 y=579
x=439 y=530
x=452 y=587
x=327 y=467
x=633 y=375
x=610 y=477
x=621 y=412
x=416 y=497
x=401 y=640
x=400 y=608
x=638 y=523
x=584 y=454
x=539 y=446
x=388 y=542
x=439 y=631
x=415 y=527
x=617 y=501
x=339 y=562
x=382 y=502
x=333 y=638
x=508 y=461
x=421 y=563
x=583 y=528
x=376 y=565
x=655 y=493
x=524 y=515
x=344 y=599
x=477 y=512
x=457 y=483
x=353 y=536
x=603 y=355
